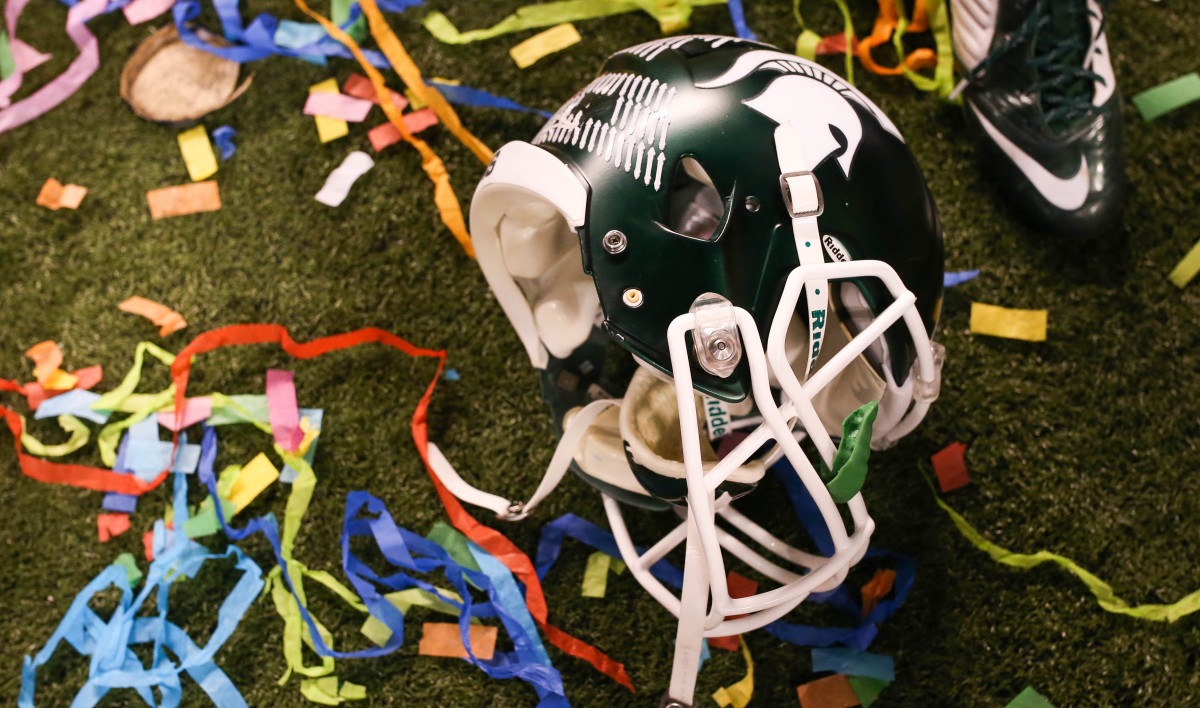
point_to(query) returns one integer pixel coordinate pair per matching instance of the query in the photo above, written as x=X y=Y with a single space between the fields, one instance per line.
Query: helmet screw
x=719 y=349
x=614 y=242
x=632 y=297
x=752 y=204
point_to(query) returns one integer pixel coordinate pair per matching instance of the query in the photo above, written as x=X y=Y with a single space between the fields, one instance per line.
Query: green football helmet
x=700 y=195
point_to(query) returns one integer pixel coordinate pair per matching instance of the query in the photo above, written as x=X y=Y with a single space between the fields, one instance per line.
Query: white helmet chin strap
x=730 y=333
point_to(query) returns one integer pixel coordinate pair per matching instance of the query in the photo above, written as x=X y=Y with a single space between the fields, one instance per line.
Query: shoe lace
x=1062 y=40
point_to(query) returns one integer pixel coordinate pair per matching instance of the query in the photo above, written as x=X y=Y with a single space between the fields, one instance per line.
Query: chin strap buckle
x=668 y=702
x=516 y=511
x=802 y=194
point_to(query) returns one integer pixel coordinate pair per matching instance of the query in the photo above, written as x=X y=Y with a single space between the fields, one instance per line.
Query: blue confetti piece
x=451 y=375
x=124 y=503
x=958 y=277
x=853 y=663
x=224 y=139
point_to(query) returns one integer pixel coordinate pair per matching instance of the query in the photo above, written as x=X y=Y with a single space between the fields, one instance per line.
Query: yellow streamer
x=71 y=424
x=672 y=16
x=543 y=44
x=739 y=694
x=1029 y=325
x=1105 y=596
x=443 y=194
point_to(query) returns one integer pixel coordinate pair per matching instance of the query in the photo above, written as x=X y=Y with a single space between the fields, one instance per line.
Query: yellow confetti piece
x=544 y=43
x=1187 y=268
x=595 y=577
x=198 y=153
x=1029 y=325
x=329 y=128
x=59 y=380
x=256 y=476
x=739 y=694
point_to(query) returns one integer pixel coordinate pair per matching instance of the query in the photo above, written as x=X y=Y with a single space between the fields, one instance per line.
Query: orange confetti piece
x=59 y=380
x=184 y=199
x=386 y=134
x=168 y=320
x=444 y=639
x=148 y=544
x=951 y=467
x=47 y=357
x=829 y=692
x=109 y=525
x=55 y=196
x=875 y=590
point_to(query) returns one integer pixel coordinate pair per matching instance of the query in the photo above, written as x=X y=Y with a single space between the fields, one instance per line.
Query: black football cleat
x=1042 y=100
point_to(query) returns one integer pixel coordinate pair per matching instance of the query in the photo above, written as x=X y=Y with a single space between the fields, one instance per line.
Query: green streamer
x=79 y=437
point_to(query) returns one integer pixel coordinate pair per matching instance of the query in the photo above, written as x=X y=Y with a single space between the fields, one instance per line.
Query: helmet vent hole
x=696 y=207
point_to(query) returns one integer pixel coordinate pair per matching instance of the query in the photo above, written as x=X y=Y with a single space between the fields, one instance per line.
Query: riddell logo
x=835 y=249
x=818 y=327
x=717 y=418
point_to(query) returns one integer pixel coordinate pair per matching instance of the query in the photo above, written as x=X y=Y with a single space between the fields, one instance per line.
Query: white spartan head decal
x=810 y=98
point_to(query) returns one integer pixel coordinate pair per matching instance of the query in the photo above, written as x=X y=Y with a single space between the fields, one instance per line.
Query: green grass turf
x=1084 y=444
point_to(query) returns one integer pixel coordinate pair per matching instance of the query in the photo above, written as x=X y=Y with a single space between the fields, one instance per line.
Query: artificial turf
x=1085 y=444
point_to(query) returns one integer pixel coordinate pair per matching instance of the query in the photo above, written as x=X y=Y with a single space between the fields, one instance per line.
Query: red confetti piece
x=951 y=468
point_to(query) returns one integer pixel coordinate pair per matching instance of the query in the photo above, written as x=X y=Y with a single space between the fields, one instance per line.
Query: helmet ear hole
x=695 y=207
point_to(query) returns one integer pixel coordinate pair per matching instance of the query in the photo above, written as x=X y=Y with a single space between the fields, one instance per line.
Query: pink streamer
x=336 y=105
x=67 y=83
x=282 y=410
x=194 y=411
x=140 y=11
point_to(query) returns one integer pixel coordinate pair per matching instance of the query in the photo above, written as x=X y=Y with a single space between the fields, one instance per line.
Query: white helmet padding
x=524 y=218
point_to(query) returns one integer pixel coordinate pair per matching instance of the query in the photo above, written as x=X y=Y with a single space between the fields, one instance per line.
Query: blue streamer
x=467 y=96
x=853 y=663
x=858 y=637
x=738 y=15
x=223 y=137
x=957 y=277
x=113 y=663
x=408 y=551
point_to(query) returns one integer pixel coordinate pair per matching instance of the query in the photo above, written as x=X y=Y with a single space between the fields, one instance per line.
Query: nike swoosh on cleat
x=1066 y=194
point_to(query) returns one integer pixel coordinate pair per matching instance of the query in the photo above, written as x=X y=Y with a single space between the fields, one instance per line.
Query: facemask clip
x=715 y=338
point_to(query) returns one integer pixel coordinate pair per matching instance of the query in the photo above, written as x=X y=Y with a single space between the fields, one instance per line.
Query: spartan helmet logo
x=809 y=97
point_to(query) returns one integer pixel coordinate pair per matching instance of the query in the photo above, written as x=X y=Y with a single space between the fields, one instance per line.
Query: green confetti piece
x=129 y=563
x=7 y=64
x=595 y=577
x=850 y=461
x=1187 y=268
x=1168 y=96
x=1029 y=698
x=201 y=525
x=867 y=689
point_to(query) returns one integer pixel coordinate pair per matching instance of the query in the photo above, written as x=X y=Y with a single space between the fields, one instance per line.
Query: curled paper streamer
x=739 y=694
x=338 y=183
x=168 y=320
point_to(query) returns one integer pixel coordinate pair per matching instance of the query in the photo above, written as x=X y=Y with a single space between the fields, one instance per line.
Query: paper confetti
x=168 y=320
x=1187 y=268
x=129 y=563
x=853 y=662
x=866 y=688
x=951 y=467
x=829 y=692
x=124 y=503
x=56 y=196
x=183 y=199
x=1168 y=96
x=197 y=153
x=76 y=402
x=360 y=86
x=338 y=183
x=109 y=525
x=958 y=277
x=877 y=589
x=386 y=134
x=256 y=476
x=1029 y=698
x=544 y=43
x=739 y=694
x=336 y=105
x=223 y=137
x=328 y=128
x=194 y=411
x=595 y=576
x=47 y=357
x=739 y=586
x=1029 y=325
x=444 y=639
